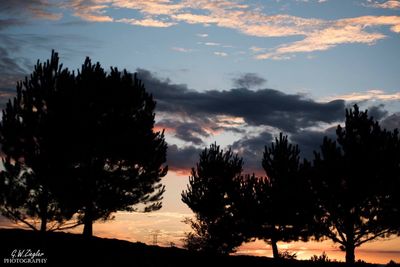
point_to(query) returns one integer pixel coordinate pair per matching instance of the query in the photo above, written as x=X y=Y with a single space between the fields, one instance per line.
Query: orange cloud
x=344 y=31
x=90 y=11
x=148 y=22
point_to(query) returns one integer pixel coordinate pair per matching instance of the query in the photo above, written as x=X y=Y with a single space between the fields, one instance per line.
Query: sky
x=232 y=72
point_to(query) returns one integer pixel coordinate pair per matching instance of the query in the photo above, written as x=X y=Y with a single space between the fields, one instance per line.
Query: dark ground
x=64 y=249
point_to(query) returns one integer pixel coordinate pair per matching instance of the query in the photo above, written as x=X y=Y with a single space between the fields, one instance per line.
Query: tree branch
x=379 y=234
x=17 y=218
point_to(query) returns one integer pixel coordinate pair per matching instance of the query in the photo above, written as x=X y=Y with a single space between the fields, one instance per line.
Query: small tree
x=285 y=207
x=353 y=183
x=209 y=195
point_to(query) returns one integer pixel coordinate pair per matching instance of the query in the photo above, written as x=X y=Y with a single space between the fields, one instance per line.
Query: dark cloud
x=35 y=8
x=182 y=159
x=251 y=149
x=248 y=80
x=186 y=131
x=377 y=112
x=288 y=112
x=14 y=66
x=266 y=107
x=391 y=122
x=10 y=22
x=12 y=69
x=310 y=141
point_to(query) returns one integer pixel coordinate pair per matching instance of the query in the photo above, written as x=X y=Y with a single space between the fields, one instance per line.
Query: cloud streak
x=375 y=94
x=316 y=34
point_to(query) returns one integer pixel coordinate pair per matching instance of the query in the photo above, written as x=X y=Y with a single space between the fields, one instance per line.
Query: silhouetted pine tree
x=116 y=158
x=285 y=209
x=353 y=183
x=209 y=192
x=27 y=143
x=97 y=141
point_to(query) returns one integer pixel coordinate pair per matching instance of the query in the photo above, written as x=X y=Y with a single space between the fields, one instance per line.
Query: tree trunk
x=88 y=228
x=88 y=221
x=349 y=245
x=43 y=224
x=88 y=224
x=43 y=213
x=274 y=248
x=350 y=255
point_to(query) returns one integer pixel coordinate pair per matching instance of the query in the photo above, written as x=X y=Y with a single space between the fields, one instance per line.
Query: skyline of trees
x=346 y=194
x=79 y=147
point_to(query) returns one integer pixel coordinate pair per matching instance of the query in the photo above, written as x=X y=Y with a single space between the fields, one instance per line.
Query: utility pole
x=155 y=237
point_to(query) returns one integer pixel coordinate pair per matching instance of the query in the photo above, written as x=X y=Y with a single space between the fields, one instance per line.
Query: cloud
x=251 y=148
x=193 y=116
x=182 y=49
x=248 y=80
x=181 y=160
x=311 y=140
x=377 y=112
x=12 y=69
x=91 y=10
x=316 y=34
x=202 y=35
x=374 y=94
x=344 y=31
x=10 y=22
x=39 y=9
x=288 y=112
x=148 y=22
x=256 y=49
x=391 y=122
x=220 y=54
x=212 y=44
x=391 y=4
x=187 y=131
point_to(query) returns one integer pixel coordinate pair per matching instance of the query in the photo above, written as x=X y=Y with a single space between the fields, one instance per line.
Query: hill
x=65 y=249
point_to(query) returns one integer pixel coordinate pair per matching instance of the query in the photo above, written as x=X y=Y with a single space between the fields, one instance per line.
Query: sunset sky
x=232 y=72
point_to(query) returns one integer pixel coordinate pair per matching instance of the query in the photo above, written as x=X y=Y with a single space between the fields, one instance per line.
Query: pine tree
x=84 y=143
x=119 y=159
x=353 y=183
x=285 y=207
x=209 y=195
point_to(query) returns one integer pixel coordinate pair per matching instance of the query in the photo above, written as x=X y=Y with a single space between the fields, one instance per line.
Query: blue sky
x=350 y=45
x=234 y=72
